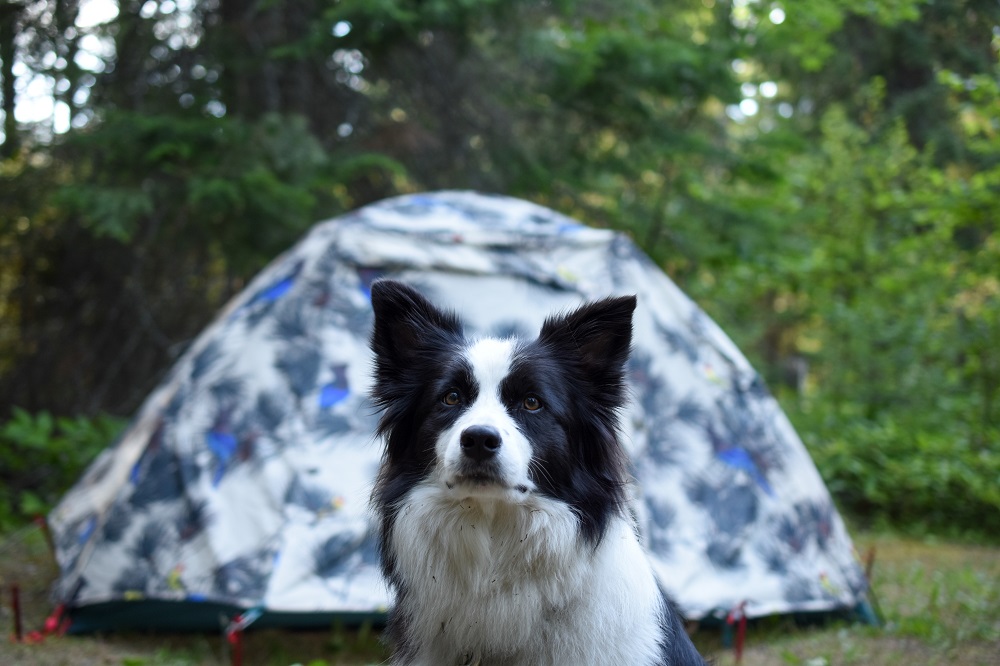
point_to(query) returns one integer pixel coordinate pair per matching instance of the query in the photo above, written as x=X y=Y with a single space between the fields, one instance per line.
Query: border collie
x=501 y=498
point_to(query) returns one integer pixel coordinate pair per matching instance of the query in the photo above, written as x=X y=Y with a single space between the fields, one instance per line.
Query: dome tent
x=243 y=480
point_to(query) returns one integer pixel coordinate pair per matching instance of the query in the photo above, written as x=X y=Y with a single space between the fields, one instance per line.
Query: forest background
x=822 y=176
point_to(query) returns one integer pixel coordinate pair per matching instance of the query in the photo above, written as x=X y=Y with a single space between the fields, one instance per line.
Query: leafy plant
x=41 y=456
x=885 y=472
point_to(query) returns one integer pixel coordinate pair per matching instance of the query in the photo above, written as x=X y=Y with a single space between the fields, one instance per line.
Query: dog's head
x=501 y=419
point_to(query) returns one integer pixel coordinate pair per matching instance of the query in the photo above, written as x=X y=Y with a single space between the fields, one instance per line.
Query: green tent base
x=864 y=612
x=158 y=615
x=161 y=615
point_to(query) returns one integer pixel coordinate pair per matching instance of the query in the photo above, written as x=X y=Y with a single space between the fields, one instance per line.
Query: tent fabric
x=244 y=479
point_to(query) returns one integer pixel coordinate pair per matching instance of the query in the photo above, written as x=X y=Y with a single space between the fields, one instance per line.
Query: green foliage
x=883 y=281
x=845 y=233
x=886 y=473
x=108 y=211
x=807 y=33
x=42 y=455
x=245 y=190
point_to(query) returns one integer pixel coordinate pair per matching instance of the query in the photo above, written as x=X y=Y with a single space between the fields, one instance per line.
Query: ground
x=940 y=602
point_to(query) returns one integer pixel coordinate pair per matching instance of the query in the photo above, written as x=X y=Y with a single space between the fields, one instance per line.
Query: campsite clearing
x=940 y=601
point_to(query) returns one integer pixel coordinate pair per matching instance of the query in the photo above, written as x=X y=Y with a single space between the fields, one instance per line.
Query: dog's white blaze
x=490 y=360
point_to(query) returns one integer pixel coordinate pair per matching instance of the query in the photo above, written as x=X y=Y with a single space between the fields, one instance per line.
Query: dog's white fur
x=517 y=581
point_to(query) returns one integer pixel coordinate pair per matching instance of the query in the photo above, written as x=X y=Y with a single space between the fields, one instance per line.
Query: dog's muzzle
x=480 y=463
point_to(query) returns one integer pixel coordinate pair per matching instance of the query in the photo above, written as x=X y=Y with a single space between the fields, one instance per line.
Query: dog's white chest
x=500 y=585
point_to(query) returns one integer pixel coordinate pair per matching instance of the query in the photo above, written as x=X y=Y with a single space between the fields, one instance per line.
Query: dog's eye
x=532 y=403
x=451 y=398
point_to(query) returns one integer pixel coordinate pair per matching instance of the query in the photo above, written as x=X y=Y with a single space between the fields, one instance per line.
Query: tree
x=216 y=132
x=821 y=176
x=10 y=14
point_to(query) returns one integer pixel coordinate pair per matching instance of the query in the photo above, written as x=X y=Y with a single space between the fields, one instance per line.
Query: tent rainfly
x=242 y=482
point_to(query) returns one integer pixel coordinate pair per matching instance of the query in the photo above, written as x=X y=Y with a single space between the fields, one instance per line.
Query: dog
x=501 y=499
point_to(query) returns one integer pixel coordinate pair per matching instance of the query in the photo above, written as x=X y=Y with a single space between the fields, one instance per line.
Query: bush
x=915 y=479
x=41 y=456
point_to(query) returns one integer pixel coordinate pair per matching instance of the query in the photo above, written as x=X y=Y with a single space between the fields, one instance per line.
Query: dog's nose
x=480 y=442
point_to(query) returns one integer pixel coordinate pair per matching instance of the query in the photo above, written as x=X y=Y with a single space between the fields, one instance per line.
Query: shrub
x=41 y=456
x=940 y=481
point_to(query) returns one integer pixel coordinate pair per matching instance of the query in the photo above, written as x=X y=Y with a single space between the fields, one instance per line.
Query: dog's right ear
x=406 y=323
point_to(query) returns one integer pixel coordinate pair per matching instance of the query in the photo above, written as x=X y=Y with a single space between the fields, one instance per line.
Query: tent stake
x=15 y=606
x=235 y=638
x=234 y=633
x=738 y=617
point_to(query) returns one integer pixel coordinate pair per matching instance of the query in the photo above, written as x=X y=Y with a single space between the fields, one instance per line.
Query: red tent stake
x=15 y=606
x=741 y=634
x=738 y=617
x=235 y=638
x=234 y=633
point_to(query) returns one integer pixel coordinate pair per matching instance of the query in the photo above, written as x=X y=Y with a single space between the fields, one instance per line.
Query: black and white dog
x=502 y=493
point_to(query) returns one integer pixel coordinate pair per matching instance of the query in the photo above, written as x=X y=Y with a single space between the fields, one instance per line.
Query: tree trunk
x=9 y=14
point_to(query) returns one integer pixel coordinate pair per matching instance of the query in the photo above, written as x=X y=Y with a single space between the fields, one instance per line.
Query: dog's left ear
x=600 y=332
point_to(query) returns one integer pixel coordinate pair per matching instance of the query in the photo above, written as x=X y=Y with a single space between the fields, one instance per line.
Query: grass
x=940 y=602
